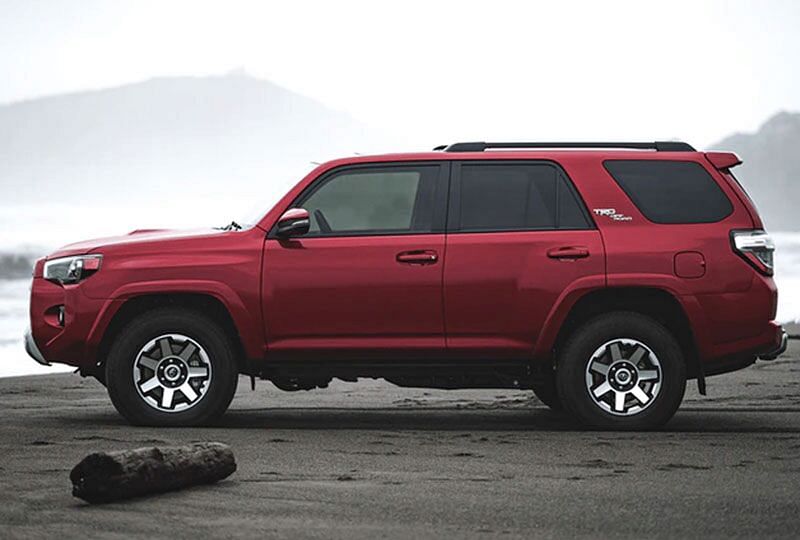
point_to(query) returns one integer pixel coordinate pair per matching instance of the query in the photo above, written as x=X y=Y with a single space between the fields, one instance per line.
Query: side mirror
x=294 y=222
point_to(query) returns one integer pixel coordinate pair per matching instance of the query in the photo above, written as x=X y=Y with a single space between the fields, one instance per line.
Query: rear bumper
x=33 y=350
x=773 y=354
x=739 y=354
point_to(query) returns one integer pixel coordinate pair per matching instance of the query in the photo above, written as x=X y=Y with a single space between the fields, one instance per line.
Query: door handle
x=568 y=252
x=419 y=256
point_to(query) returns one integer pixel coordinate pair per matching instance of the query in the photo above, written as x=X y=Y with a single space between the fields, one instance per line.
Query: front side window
x=515 y=196
x=383 y=200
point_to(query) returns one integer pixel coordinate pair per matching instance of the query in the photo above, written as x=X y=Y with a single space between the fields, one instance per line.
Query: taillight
x=756 y=247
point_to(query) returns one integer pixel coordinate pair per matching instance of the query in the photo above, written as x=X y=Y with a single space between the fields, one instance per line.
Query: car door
x=366 y=280
x=519 y=237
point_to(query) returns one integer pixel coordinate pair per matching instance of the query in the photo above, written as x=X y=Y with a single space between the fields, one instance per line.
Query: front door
x=367 y=278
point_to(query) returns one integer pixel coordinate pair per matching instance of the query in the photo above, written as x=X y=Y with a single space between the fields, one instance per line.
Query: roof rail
x=658 y=146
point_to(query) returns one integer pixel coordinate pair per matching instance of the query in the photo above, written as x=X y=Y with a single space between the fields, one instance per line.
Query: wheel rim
x=172 y=373
x=623 y=377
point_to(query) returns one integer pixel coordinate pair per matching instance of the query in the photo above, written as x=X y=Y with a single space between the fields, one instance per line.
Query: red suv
x=601 y=276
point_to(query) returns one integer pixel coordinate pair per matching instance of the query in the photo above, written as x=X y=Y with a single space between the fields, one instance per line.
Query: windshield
x=251 y=212
x=254 y=205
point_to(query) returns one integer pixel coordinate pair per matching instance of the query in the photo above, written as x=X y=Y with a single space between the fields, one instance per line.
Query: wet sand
x=372 y=460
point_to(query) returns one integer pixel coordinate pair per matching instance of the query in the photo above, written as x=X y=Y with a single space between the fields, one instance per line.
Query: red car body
x=496 y=296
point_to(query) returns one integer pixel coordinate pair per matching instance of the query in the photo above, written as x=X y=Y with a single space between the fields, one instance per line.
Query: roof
x=658 y=146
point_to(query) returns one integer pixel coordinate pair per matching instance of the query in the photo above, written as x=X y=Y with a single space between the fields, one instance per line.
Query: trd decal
x=611 y=213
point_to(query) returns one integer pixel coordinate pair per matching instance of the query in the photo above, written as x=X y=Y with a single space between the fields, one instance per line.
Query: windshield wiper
x=232 y=226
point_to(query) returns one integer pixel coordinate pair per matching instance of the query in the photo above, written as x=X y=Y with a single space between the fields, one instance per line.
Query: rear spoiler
x=723 y=161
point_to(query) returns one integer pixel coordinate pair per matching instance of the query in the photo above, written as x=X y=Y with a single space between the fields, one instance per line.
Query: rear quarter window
x=671 y=191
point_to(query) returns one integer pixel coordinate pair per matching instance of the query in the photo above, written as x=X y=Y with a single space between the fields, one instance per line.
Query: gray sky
x=440 y=71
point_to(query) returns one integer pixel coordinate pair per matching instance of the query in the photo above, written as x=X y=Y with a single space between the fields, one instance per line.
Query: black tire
x=211 y=339
x=546 y=391
x=574 y=360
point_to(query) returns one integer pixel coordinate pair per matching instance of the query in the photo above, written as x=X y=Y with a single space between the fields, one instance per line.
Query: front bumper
x=32 y=350
x=773 y=354
x=66 y=339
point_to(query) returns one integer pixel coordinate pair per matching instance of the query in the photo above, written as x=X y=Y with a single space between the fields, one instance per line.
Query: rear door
x=518 y=239
x=367 y=278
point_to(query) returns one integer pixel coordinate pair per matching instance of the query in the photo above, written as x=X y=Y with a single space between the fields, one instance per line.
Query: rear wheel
x=171 y=367
x=621 y=371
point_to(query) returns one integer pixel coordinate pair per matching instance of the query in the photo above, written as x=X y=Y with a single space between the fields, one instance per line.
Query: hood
x=133 y=237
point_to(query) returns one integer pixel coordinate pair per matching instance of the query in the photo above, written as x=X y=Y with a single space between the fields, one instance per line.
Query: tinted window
x=671 y=191
x=503 y=197
x=571 y=214
x=369 y=201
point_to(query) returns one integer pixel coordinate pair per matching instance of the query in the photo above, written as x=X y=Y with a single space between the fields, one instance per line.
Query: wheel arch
x=656 y=303
x=134 y=306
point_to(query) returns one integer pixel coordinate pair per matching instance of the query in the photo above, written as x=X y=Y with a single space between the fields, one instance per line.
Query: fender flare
x=565 y=303
x=246 y=323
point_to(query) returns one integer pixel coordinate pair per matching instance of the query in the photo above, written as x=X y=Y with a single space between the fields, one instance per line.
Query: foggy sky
x=444 y=72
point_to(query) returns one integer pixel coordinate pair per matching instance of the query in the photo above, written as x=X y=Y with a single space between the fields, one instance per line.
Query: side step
x=303 y=375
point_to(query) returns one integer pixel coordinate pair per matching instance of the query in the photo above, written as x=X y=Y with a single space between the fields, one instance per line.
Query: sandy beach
x=371 y=460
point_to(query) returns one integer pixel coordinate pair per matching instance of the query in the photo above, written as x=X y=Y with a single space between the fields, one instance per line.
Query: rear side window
x=519 y=196
x=671 y=191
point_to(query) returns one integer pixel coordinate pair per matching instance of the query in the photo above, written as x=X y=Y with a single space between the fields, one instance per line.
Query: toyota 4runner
x=601 y=276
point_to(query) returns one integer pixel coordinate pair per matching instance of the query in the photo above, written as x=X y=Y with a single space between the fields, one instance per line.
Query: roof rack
x=658 y=146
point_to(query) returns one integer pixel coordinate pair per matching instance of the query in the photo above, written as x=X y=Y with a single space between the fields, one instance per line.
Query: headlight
x=72 y=269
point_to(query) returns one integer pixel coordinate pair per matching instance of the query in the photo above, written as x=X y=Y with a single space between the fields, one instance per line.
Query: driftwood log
x=105 y=477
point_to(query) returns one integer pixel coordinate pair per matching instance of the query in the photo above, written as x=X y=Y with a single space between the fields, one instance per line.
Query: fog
x=125 y=115
x=439 y=71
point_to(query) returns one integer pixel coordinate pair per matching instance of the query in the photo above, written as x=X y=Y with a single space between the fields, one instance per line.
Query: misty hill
x=168 y=138
x=771 y=169
x=199 y=151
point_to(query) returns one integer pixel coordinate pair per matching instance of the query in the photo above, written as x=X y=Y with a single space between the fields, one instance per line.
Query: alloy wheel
x=172 y=373
x=623 y=377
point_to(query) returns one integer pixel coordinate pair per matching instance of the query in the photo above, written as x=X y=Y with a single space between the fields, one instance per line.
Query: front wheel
x=621 y=371
x=171 y=367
